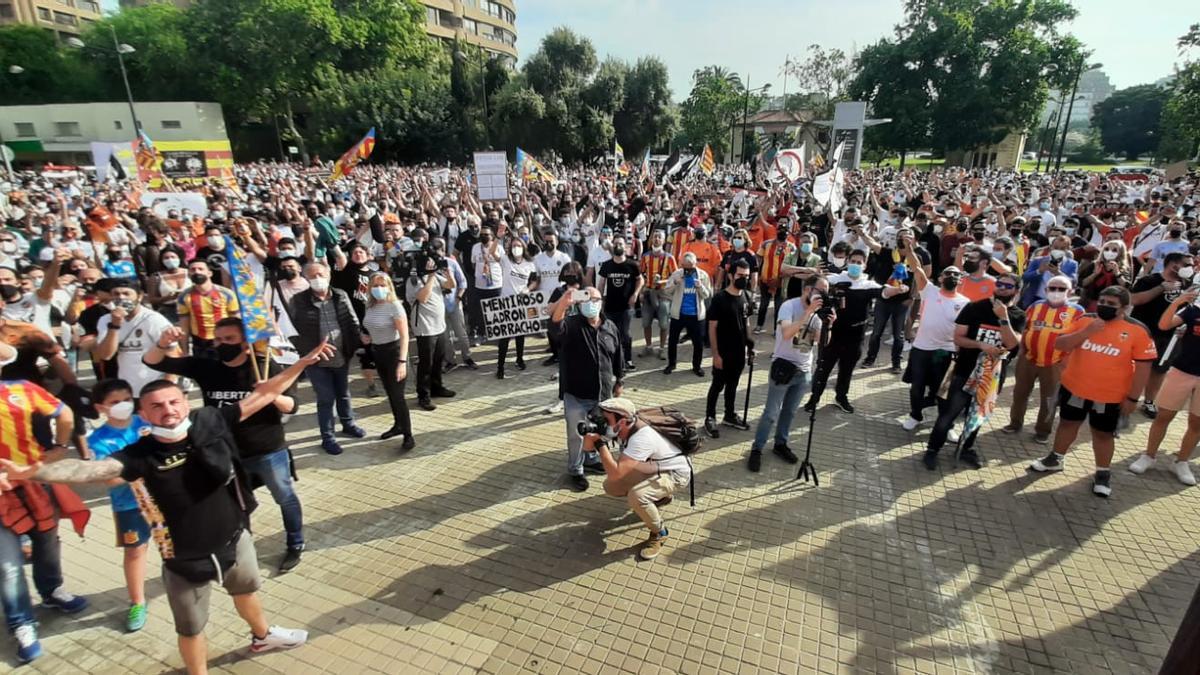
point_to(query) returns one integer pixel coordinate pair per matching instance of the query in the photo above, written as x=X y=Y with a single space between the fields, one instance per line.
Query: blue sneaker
x=331 y=447
x=136 y=619
x=28 y=647
x=65 y=602
x=353 y=431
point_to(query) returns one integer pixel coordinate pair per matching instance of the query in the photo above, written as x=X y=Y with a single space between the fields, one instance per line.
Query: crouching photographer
x=650 y=469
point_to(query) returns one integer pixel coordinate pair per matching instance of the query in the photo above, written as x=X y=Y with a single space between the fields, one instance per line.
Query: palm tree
x=719 y=73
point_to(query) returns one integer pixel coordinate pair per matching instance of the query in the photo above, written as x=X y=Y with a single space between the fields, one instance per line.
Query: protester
x=1108 y=365
x=619 y=280
x=201 y=306
x=386 y=324
x=127 y=332
x=590 y=343
x=731 y=347
x=1152 y=296
x=656 y=267
x=689 y=288
x=424 y=291
x=121 y=428
x=890 y=268
x=319 y=313
x=1180 y=389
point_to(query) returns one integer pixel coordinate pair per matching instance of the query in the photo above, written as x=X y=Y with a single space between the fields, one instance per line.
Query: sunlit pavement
x=469 y=555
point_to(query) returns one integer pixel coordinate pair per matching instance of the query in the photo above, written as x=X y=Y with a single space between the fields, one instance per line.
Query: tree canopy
x=1128 y=120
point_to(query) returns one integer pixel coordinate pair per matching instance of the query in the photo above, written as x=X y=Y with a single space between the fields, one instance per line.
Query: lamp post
x=4 y=150
x=120 y=49
x=1071 y=107
x=482 y=62
x=746 y=114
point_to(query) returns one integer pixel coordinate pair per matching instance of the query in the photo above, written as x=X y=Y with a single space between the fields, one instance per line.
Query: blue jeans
x=331 y=385
x=576 y=410
x=780 y=408
x=274 y=470
x=47 y=573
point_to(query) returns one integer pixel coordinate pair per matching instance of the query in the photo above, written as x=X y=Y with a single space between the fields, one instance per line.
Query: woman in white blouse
x=386 y=325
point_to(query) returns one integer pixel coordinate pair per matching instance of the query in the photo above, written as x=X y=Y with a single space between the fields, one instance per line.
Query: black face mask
x=970 y=266
x=227 y=352
x=978 y=235
x=287 y=274
x=781 y=235
x=698 y=234
x=1106 y=312
x=198 y=279
x=950 y=283
x=1175 y=234
x=741 y=283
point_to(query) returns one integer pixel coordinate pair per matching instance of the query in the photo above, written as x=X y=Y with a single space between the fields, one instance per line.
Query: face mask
x=806 y=248
x=1175 y=234
x=171 y=263
x=838 y=262
x=198 y=278
x=854 y=270
x=970 y=266
x=121 y=411
x=1044 y=205
x=1056 y=297
x=287 y=274
x=172 y=434
x=657 y=248
x=379 y=292
x=950 y=283
x=739 y=243
x=517 y=251
x=216 y=244
x=114 y=255
x=590 y=309
x=1110 y=255
x=741 y=283
x=1106 y=312
x=227 y=352
x=9 y=247
x=618 y=252
x=319 y=284
x=1186 y=272
x=37 y=282
x=781 y=235
x=485 y=239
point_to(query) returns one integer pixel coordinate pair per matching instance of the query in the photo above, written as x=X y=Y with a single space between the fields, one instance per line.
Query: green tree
x=711 y=109
x=646 y=118
x=982 y=68
x=1128 y=120
x=50 y=74
x=1181 y=114
x=164 y=53
x=886 y=79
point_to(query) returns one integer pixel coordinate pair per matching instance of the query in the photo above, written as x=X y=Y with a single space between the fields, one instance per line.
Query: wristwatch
x=1004 y=322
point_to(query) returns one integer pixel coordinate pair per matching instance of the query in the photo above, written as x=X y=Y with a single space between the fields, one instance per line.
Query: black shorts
x=1101 y=417
x=1161 y=342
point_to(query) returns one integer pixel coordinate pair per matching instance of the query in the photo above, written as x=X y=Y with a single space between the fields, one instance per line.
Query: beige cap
x=619 y=405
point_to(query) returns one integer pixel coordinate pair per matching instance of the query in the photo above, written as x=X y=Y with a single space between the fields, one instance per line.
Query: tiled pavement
x=467 y=555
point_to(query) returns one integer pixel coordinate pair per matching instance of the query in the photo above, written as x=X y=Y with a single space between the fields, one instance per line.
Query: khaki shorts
x=1177 y=388
x=189 y=600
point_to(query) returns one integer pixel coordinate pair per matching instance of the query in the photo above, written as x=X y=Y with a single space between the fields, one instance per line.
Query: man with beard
x=988 y=326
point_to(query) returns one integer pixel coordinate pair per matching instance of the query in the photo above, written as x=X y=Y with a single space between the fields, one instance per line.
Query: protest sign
x=491 y=176
x=520 y=314
x=161 y=202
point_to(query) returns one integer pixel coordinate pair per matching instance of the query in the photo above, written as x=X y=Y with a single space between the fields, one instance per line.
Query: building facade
x=67 y=18
x=63 y=132
x=488 y=24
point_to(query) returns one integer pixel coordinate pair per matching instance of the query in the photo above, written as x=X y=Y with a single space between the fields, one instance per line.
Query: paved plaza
x=468 y=555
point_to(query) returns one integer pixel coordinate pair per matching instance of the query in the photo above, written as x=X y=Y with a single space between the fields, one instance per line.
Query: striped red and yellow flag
x=707 y=163
x=353 y=156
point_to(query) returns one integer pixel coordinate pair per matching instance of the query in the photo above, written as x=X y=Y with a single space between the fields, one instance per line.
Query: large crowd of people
x=117 y=303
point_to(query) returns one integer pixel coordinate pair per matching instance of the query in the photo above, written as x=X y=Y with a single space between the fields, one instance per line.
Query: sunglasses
x=1053 y=288
x=1004 y=285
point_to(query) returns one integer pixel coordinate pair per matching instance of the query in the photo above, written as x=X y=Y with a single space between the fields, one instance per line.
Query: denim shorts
x=132 y=528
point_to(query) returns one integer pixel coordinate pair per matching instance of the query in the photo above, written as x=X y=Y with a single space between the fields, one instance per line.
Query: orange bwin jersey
x=1101 y=369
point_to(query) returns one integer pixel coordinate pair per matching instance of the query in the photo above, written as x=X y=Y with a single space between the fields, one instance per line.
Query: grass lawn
x=1026 y=165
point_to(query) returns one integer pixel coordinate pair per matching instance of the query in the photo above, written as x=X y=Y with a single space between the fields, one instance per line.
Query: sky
x=1135 y=43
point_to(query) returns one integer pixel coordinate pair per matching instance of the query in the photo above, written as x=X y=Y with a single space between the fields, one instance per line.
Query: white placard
x=491 y=176
x=161 y=202
x=520 y=314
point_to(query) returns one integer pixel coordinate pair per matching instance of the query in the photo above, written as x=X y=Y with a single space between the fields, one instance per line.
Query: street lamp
x=1071 y=107
x=487 y=132
x=12 y=70
x=120 y=49
x=745 y=114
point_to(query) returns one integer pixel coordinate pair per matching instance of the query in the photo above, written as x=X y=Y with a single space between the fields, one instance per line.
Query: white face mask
x=121 y=411
x=172 y=434
x=319 y=284
x=1186 y=272
x=1110 y=255
x=1056 y=297
x=837 y=261
x=517 y=252
x=657 y=248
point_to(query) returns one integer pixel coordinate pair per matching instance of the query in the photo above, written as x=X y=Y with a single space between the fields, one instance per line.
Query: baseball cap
x=620 y=406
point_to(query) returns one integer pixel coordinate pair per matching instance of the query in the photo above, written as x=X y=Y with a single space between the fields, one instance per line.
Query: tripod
x=807 y=470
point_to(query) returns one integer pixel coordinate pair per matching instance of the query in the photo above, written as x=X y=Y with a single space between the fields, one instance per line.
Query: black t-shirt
x=1187 y=354
x=190 y=484
x=729 y=311
x=462 y=249
x=882 y=266
x=982 y=325
x=355 y=281
x=1150 y=312
x=89 y=320
x=620 y=280
x=223 y=387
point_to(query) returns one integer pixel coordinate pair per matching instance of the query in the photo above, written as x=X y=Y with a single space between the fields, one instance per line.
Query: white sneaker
x=952 y=436
x=554 y=408
x=910 y=423
x=662 y=354
x=1183 y=472
x=279 y=638
x=1142 y=463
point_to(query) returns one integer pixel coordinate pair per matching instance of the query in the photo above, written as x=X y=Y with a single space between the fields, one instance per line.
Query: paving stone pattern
x=468 y=555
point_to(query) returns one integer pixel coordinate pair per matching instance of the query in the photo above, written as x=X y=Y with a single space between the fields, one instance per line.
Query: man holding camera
x=649 y=471
x=590 y=351
x=430 y=280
